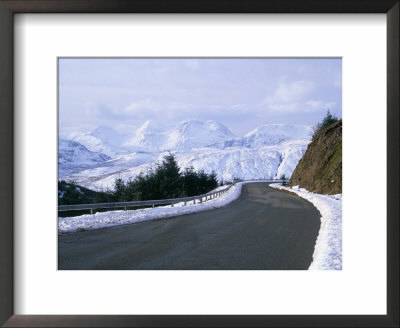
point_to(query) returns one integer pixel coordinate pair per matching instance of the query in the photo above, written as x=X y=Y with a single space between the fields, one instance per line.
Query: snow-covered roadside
x=113 y=218
x=328 y=248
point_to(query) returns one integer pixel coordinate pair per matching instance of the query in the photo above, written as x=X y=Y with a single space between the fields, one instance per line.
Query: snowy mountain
x=72 y=157
x=235 y=162
x=73 y=152
x=107 y=135
x=148 y=136
x=152 y=137
x=103 y=139
x=268 y=135
x=194 y=134
x=186 y=135
x=265 y=152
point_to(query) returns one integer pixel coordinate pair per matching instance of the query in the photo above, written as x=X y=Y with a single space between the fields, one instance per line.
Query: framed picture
x=175 y=138
x=46 y=65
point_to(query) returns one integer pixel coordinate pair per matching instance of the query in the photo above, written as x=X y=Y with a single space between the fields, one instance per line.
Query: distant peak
x=103 y=128
x=149 y=126
x=104 y=132
x=208 y=123
x=290 y=131
x=213 y=123
x=147 y=123
x=191 y=122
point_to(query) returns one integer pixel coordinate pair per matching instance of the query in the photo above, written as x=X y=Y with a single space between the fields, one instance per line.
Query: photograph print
x=199 y=163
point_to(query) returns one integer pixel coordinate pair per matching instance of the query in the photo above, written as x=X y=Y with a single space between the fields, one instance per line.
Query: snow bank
x=113 y=218
x=328 y=248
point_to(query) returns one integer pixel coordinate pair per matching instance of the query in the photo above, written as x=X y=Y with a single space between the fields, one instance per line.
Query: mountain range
x=96 y=158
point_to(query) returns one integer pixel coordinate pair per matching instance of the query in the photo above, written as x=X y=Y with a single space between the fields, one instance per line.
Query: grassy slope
x=320 y=169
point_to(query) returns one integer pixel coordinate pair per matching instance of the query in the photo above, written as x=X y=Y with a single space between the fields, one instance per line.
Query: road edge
x=328 y=246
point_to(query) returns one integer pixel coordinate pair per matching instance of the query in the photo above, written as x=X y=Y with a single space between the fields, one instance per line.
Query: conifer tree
x=212 y=181
x=169 y=175
x=190 y=182
x=119 y=189
x=283 y=178
x=328 y=120
x=203 y=182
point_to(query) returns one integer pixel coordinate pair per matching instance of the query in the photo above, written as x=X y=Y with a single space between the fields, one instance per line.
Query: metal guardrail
x=171 y=201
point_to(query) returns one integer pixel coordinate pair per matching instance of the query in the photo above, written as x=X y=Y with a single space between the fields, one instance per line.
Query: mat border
x=10 y=7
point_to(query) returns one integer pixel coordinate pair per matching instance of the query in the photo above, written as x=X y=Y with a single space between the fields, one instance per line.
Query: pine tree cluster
x=164 y=181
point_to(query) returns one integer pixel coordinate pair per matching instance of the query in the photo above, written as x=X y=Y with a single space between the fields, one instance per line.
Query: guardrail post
x=184 y=203
x=124 y=208
x=91 y=211
x=153 y=205
x=172 y=204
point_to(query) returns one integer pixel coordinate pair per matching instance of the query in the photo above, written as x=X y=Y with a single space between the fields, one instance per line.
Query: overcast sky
x=240 y=93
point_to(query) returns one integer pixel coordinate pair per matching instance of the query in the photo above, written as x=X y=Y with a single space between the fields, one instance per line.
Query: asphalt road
x=265 y=229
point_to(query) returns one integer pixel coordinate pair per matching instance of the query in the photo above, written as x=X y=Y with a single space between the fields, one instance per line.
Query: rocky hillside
x=320 y=169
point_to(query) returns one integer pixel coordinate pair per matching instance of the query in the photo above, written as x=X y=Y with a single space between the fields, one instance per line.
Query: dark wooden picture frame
x=10 y=7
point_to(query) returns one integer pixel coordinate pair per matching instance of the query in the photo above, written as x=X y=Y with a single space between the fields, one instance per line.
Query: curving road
x=265 y=229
